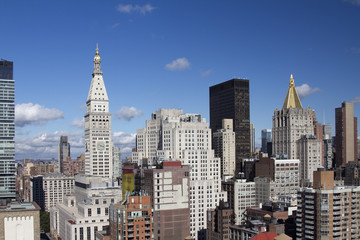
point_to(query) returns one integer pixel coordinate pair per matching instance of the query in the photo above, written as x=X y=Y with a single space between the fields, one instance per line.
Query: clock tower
x=98 y=154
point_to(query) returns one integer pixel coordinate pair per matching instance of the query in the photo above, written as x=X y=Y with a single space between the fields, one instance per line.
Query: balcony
x=309 y=207
x=309 y=226
x=309 y=212
x=309 y=217
x=309 y=202
x=309 y=196
x=309 y=237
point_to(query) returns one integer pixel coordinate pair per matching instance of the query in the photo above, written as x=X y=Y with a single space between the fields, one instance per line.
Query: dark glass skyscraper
x=7 y=131
x=231 y=99
x=64 y=152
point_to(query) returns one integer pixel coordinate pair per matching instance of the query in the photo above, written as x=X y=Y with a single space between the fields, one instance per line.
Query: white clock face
x=100 y=146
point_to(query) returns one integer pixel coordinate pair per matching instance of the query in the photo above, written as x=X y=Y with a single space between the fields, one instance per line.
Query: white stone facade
x=289 y=124
x=170 y=134
x=98 y=154
x=244 y=197
x=86 y=211
x=286 y=177
x=310 y=155
x=224 y=147
x=55 y=186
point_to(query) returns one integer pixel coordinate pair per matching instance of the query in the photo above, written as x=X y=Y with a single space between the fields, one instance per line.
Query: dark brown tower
x=231 y=99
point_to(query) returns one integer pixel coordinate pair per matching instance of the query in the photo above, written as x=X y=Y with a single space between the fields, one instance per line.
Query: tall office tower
x=98 y=154
x=64 y=152
x=327 y=131
x=169 y=188
x=132 y=219
x=224 y=147
x=265 y=138
x=310 y=155
x=346 y=134
x=187 y=138
x=231 y=100
x=148 y=139
x=327 y=211
x=252 y=139
x=7 y=131
x=290 y=123
x=116 y=160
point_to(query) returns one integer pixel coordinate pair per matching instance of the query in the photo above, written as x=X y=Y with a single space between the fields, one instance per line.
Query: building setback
x=231 y=99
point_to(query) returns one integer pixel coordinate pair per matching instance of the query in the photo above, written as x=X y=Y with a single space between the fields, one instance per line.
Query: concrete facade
x=20 y=221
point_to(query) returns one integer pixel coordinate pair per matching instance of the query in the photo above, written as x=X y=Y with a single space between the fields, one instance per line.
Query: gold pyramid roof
x=292 y=99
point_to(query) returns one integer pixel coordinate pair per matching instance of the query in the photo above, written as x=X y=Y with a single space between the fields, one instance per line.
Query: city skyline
x=167 y=55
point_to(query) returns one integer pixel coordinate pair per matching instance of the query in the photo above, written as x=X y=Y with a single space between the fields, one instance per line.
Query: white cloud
x=128 y=113
x=356 y=99
x=305 y=90
x=355 y=50
x=44 y=145
x=205 y=73
x=79 y=123
x=178 y=64
x=129 y=8
x=115 y=25
x=35 y=114
x=126 y=141
x=355 y=2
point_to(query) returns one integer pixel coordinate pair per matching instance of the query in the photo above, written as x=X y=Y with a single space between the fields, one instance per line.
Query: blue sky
x=166 y=54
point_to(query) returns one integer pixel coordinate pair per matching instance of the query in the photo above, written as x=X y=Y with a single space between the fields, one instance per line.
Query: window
x=89 y=212
x=106 y=211
x=88 y=233
x=99 y=211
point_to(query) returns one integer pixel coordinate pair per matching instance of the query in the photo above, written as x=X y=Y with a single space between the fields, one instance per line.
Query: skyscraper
x=290 y=123
x=171 y=134
x=7 y=131
x=224 y=147
x=231 y=100
x=265 y=138
x=64 y=152
x=346 y=134
x=252 y=138
x=98 y=152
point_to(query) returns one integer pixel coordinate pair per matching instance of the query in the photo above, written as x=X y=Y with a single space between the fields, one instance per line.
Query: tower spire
x=292 y=99
x=97 y=62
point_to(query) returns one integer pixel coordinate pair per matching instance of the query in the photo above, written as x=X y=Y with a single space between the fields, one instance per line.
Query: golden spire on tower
x=97 y=56
x=292 y=99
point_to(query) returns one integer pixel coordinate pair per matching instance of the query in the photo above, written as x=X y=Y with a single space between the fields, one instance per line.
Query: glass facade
x=231 y=100
x=7 y=131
